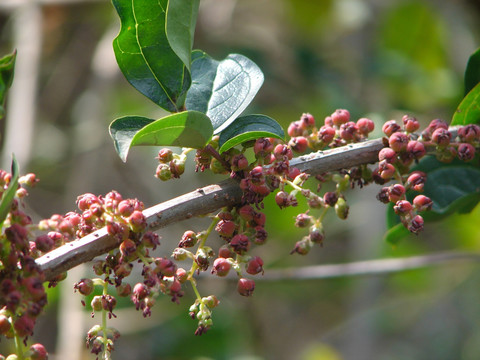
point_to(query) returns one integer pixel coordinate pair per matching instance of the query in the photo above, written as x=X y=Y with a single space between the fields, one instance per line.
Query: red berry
x=416 y=225
x=221 y=266
x=298 y=144
x=396 y=192
x=38 y=352
x=387 y=154
x=340 y=116
x=410 y=123
x=469 y=133
x=402 y=207
x=416 y=149
x=466 y=152
x=255 y=265
x=307 y=120
x=422 y=203
x=225 y=228
x=165 y=267
x=240 y=244
x=416 y=180
x=441 y=137
x=189 y=239
x=390 y=127
x=398 y=141
x=326 y=134
x=295 y=129
x=84 y=286
x=348 y=131
x=245 y=287
x=365 y=126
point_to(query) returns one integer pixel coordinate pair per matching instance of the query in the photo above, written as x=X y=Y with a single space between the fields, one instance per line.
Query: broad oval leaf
x=122 y=131
x=9 y=193
x=472 y=72
x=145 y=56
x=249 y=127
x=222 y=89
x=181 y=21
x=468 y=112
x=7 y=65
x=185 y=129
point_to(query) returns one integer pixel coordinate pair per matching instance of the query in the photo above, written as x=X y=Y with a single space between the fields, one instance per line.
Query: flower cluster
x=404 y=148
x=22 y=295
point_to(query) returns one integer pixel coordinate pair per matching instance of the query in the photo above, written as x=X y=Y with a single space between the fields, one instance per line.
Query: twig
x=201 y=202
x=369 y=267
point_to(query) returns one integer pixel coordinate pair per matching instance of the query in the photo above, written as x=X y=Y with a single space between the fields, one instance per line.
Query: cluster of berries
x=403 y=147
x=22 y=295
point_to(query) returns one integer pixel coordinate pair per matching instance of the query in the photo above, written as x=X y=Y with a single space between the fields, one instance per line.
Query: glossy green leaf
x=181 y=21
x=468 y=112
x=185 y=129
x=249 y=127
x=122 y=131
x=472 y=72
x=7 y=65
x=145 y=55
x=222 y=89
x=9 y=193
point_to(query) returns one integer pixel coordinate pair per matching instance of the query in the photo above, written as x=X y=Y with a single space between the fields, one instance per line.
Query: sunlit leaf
x=472 y=72
x=222 y=89
x=181 y=21
x=468 y=112
x=145 y=55
x=249 y=127
x=122 y=131
x=7 y=65
x=185 y=129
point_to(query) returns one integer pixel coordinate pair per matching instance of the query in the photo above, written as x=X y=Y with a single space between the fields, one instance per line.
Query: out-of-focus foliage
x=376 y=58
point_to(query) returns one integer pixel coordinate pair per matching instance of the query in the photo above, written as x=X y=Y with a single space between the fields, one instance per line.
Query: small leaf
x=145 y=56
x=249 y=127
x=7 y=65
x=185 y=129
x=472 y=72
x=9 y=193
x=396 y=233
x=181 y=21
x=122 y=131
x=222 y=89
x=468 y=112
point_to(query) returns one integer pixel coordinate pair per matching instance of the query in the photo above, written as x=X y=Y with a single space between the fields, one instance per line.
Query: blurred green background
x=380 y=59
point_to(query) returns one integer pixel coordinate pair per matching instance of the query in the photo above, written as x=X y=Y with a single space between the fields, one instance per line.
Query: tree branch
x=201 y=202
x=369 y=267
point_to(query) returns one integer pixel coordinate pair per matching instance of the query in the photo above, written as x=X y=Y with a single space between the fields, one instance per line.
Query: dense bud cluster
x=405 y=148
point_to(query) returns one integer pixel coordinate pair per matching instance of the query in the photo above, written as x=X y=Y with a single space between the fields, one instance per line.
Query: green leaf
x=185 y=129
x=472 y=72
x=396 y=233
x=9 y=193
x=249 y=127
x=222 y=89
x=122 y=131
x=145 y=55
x=452 y=189
x=7 y=65
x=181 y=21
x=468 y=112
